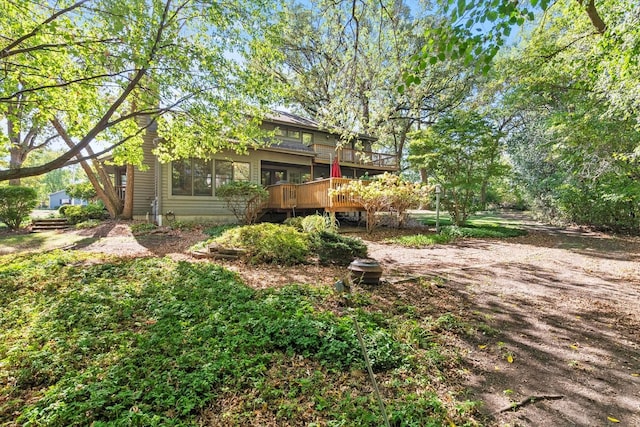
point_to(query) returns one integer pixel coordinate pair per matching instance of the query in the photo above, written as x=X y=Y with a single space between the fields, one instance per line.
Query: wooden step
x=49 y=224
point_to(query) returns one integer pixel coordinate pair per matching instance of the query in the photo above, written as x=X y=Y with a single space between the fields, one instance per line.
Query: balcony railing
x=349 y=156
x=312 y=195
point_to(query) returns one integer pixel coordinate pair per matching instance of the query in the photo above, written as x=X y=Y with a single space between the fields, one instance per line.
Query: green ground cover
x=92 y=340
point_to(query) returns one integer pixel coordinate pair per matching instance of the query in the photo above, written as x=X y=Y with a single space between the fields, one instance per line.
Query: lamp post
x=438 y=191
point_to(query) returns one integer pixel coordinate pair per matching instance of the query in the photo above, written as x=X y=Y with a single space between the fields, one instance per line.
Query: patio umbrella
x=335 y=168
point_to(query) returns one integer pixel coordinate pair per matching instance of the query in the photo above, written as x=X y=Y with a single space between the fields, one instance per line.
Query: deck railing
x=312 y=195
x=356 y=157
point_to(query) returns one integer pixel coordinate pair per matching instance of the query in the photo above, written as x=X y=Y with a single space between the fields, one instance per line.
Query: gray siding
x=212 y=208
x=144 y=180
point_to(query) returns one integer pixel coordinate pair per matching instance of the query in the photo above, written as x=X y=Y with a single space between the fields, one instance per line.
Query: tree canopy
x=97 y=73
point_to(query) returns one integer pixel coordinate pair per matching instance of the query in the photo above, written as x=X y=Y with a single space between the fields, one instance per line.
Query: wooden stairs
x=49 y=224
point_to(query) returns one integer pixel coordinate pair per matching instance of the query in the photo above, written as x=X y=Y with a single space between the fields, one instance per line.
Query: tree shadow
x=567 y=337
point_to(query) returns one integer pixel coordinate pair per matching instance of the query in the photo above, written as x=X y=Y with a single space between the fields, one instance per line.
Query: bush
x=76 y=214
x=90 y=223
x=217 y=230
x=244 y=199
x=268 y=243
x=335 y=249
x=295 y=222
x=142 y=228
x=16 y=203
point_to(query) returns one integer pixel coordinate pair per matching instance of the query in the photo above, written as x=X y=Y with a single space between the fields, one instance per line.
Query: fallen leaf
x=510 y=358
x=574 y=346
x=613 y=420
x=635 y=375
x=482 y=347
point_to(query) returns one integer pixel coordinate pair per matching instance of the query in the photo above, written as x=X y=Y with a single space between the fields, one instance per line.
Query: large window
x=227 y=171
x=307 y=138
x=191 y=177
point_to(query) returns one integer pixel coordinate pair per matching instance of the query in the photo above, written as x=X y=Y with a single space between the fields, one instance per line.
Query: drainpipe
x=158 y=188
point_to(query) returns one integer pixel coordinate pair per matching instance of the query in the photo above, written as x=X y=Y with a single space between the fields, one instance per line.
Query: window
x=293 y=134
x=227 y=171
x=280 y=132
x=191 y=177
x=307 y=138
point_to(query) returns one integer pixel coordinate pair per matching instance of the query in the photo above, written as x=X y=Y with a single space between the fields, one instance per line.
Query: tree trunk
x=103 y=185
x=127 y=212
x=16 y=158
x=15 y=162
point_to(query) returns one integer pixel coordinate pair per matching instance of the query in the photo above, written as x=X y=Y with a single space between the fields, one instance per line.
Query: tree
x=99 y=73
x=342 y=63
x=15 y=204
x=83 y=190
x=384 y=193
x=462 y=153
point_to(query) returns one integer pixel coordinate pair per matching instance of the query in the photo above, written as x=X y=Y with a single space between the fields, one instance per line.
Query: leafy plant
x=217 y=230
x=384 y=193
x=333 y=248
x=83 y=190
x=268 y=243
x=77 y=213
x=153 y=341
x=90 y=223
x=16 y=203
x=142 y=228
x=245 y=199
x=317 y=223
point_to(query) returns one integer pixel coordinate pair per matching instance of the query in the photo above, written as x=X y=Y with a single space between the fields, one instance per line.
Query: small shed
x=61 y=197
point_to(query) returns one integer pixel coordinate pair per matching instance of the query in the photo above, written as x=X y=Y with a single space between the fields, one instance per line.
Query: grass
x=477 y=227
x=87 y=339
x=44 y=241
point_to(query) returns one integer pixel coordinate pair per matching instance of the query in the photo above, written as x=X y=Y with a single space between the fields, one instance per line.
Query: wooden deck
x=311 y=195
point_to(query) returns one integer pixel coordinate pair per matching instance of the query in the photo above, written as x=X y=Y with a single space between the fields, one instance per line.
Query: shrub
x=217 y=230
x=142 y=228
x=316 y=223
x=333 y=248
x=62 y=209
x=268 y=243
x=295 y=222
x=76 y=214
x=90 y=223
x=16 y=203
x=244 y=199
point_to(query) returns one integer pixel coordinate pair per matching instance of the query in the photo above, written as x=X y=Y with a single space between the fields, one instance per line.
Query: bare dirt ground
x=565 y=305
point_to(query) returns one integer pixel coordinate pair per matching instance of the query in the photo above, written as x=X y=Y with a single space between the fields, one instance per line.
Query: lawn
x=479 y=226
x=93 y=339
x=11 y=242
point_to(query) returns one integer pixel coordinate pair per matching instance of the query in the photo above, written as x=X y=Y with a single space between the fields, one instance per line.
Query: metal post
x=438 y=190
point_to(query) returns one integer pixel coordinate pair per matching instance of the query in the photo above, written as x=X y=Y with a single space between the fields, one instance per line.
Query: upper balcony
x=356 y=158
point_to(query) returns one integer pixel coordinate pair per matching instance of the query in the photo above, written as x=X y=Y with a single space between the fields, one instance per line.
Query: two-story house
x=297 y=171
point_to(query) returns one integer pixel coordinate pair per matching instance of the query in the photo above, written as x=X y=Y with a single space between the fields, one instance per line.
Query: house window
x=280 y=132
x=227 y=171
x=191 y=177
x=293 y=134
x=307 y=138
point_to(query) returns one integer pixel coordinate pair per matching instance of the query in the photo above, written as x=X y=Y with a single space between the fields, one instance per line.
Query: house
x=296 y=171
x=61 y=197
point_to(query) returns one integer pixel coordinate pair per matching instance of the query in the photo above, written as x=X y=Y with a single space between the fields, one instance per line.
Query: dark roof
x=284 y=117
x=292 y=145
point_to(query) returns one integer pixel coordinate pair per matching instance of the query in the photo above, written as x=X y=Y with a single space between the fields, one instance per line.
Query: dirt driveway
x=565 y=305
